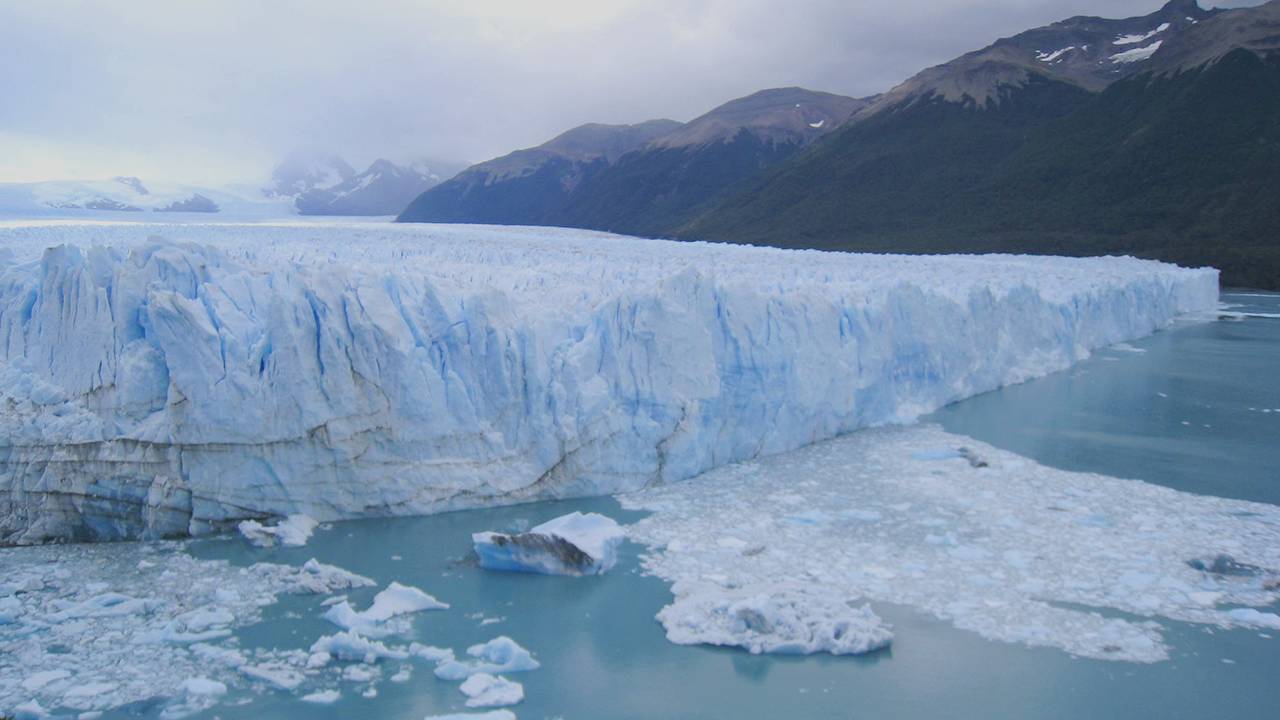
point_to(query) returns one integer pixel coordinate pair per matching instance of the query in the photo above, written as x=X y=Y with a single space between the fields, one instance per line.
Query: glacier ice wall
x=164 y=387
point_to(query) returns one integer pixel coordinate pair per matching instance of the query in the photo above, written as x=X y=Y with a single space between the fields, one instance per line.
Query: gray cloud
x=200 y=90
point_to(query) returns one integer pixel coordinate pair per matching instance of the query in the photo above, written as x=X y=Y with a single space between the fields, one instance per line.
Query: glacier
x=165 y=380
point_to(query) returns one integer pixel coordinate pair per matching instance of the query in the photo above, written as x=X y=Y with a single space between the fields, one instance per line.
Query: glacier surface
x=165 y=380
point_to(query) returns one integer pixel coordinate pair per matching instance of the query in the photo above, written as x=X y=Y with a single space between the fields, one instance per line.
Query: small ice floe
x=499 y=655
x=292 y=531
x=491 y=715
x=1250 y=617
x=322 y=697
x=430 y=653
x=30 y=710
x=197 y=694
x=10 y=610
x=1126 y=347
x=573 y=544
x=484 y=690
x=277 y=675
x=353 y=647
x=313 y=577
x=773 y=620
x=395 y=600
x=109 y=604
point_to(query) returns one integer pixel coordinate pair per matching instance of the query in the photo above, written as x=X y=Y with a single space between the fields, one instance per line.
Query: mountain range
x=324 y=184
x=1156 y=136
x=126 y=195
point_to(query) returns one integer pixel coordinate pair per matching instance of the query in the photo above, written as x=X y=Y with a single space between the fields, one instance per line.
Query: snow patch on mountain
x=1135 y=39
x=1137 y=54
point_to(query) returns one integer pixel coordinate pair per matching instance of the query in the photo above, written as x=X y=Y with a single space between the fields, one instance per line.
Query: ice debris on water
x=573 y=544
x=774 y=620
x=96 y=627
x=1013 y=550
x=292 y=531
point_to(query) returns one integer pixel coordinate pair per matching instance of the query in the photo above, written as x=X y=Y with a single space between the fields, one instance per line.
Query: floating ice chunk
x=199 y=625
x=499 y=655
x=197 y=694
x=35 y=681
x=293 y=531
x=395 y=600
x=352 y=646
x=430 y=653
x=203 y=686
x=322 y=697
x=88 y=696
x=399 y=599
x=312 y=577
x=1255 y=618
x=10 y=609
x=485 y=690
x=105 y=605
x=31 y=710
x=280 y=676
x=491 y=715
x=573 y=544
x=775 y=620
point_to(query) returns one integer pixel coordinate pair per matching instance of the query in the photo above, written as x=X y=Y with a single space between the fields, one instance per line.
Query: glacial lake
x=1196 y=408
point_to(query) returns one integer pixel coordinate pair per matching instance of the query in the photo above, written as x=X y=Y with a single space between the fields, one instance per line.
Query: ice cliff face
x=164 y=387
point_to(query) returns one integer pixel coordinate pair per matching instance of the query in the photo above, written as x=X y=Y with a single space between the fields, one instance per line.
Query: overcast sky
x=216 y=91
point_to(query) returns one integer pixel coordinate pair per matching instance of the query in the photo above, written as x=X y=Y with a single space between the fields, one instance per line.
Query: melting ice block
x=573 y=544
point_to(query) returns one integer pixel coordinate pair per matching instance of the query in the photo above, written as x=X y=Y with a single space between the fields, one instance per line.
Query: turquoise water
x=1177 y=414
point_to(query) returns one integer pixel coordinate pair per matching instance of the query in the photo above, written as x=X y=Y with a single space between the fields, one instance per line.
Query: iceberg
x=173 y=380
x=485 y=690
x=350 y=646
x=499 y=655
x=573 y=544
x=395 y=600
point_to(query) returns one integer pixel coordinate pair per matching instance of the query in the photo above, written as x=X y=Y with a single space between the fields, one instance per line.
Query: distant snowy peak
x=1086 y=52
x=303 y=171
x=385 y=188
